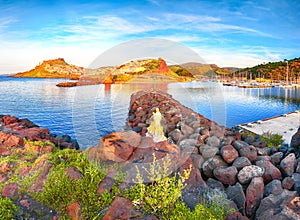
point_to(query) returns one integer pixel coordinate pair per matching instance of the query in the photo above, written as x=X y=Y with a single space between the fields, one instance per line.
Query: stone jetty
x=260 y=182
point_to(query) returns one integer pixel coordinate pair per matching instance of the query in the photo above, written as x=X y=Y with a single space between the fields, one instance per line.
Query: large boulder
x=288 y=164
x=246 y=174
x=248 y=151
x=209 y=165
x=117 y=147
x=227 y=175
x=277 y=207
x=241 y=162
x=236 y=194
x=10 y=190
x=271 y=172
x=229 y=153
x=254 y=195
x=295 y=141
x=121 y=208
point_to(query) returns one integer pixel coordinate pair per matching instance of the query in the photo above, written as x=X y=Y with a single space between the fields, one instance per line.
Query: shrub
x=162 y=196
x=59 y=190
x=8 y=209
x=273 y=140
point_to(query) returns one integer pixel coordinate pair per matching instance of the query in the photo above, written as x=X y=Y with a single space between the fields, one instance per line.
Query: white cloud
x=245 y=57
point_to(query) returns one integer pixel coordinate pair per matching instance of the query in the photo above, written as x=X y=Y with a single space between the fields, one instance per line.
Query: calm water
x=89 y=112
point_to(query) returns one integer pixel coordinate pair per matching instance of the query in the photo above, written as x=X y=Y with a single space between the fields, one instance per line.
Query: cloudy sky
x=227 y=33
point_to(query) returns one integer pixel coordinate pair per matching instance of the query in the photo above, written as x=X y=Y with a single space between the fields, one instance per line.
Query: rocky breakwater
x=259 y=182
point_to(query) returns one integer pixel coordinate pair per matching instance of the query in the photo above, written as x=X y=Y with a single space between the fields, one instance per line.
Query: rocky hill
x=199 y=70
x=137 y=70
x=57 y=68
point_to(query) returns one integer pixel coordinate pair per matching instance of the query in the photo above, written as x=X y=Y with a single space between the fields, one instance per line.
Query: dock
x=285 y=125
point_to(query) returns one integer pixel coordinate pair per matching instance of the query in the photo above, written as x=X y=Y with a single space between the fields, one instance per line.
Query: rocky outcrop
x=56 y=68
x=13 y=131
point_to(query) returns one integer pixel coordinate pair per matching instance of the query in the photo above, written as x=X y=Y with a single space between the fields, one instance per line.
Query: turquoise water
x=89 y=112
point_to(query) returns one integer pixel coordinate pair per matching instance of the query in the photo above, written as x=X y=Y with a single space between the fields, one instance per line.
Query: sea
x=87 y=113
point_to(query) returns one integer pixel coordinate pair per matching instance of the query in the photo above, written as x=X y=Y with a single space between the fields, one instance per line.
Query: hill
x=137 y=70
x=274 y=70
x=57 y=68
x=199 y=70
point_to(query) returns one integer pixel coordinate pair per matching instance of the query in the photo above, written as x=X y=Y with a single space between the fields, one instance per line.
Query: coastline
x=221 y=161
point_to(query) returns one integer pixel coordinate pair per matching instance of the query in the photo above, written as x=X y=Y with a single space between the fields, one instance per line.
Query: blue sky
x=227 y=33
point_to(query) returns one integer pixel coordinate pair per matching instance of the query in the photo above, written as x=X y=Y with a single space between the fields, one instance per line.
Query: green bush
x=162 y=196
x=8 y=209
x=273 y=140
x=60 y=191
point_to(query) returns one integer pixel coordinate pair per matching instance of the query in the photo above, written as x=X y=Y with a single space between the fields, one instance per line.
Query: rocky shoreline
x=258 y=181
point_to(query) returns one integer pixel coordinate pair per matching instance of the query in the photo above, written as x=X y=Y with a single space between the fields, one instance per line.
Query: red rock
x=160 y=150
x=121 y=208
x=24 y=170
x=10 y=190
x=254 y=195
x=294 y=206
x=227 y=175
x=249 y=151
x=116 y=147
x=4 y=151
x=25 y=203
x=134 y=107
x=46 y=149
x=73 y=173
x=35 y=134
x=3 y=178
x=14 y=126
x=288 y=183
x=105 y=184
x=195 y=180
x=4 y=168
x=40 y=163
x=271 y=172
x=9 y=140
x=40 y=180
x=74 y=210
x=7 y=119
x=209 y=165
x=288 y=164
x=229 y=153
x=236 y=216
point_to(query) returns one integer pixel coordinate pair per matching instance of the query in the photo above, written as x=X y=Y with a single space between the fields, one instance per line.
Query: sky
x=227 y=33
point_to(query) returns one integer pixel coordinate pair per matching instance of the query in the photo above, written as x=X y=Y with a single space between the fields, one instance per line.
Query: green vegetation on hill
x=273 y=70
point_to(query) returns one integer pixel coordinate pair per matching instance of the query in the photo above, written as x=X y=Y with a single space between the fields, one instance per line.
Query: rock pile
x=261 y=182
x=14 y=130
